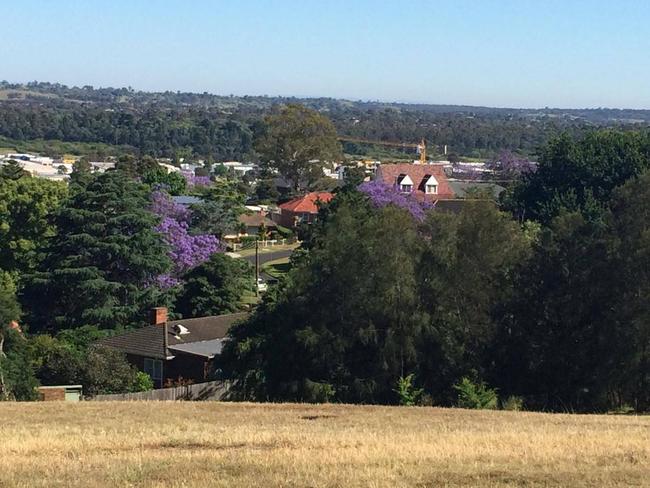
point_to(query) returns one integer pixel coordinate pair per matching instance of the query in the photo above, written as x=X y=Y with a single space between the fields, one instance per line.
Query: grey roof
x=460 y=188
x=186 y=199
x=206 y=349
x=150 y=341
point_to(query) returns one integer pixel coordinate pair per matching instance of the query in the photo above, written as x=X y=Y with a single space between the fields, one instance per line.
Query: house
x=302 y=209
x=169 y=350
x=424 y=181
x=252 y=223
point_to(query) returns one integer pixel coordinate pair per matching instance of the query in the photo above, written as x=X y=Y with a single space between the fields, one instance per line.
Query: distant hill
x=218 y=126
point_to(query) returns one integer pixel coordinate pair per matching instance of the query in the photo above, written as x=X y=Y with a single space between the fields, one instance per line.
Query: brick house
x=302 y=209
x=424 y=181
x=169 y=350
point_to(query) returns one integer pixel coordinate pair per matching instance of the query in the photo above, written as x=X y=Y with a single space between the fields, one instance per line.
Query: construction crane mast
x=421 y=147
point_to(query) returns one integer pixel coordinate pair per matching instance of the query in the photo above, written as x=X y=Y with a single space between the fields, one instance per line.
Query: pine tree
x=101 y=266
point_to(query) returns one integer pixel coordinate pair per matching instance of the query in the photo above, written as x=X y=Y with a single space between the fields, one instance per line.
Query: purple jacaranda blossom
x=185 y=250
x=381 y=195
x=194 y=181
x=163 y=205
x=510 y=164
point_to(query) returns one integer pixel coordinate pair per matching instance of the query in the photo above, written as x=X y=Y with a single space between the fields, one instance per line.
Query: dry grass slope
x=242 y=445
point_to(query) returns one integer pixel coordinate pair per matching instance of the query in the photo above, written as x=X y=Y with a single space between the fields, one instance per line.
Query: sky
x=504 y=53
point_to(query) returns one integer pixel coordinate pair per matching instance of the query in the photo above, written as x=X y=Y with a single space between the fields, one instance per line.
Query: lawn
x=250 y=249
x=241 y=445
x=278 y=268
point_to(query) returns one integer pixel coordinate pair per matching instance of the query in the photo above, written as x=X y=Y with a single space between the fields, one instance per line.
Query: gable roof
x=149 y=341
x=255 y=220
x=419 y=174
x=307 y=203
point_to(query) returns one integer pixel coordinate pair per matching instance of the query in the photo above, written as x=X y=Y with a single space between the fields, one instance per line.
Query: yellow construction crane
x=420 y=147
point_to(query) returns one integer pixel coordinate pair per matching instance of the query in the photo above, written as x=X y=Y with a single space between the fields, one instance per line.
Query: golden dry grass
x=237 y=445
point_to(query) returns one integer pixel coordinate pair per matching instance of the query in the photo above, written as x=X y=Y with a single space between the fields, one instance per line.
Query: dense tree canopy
x=100 y=267
x=298 y=142
x=580 y=174
x=27 y=206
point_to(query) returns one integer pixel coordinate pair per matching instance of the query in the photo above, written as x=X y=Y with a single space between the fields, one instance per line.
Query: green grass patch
x=278 y=268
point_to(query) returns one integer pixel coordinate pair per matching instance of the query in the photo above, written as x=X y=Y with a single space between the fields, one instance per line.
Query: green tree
x=12 y=170
x=27 y=207
x=136 y=167
x=101 y=265
x=215 y=287
x=298 y=142
x=172 y=181
x=346 y=321
x=465 y=275
x=218 y=213
x=579 y=175
x=17 y=381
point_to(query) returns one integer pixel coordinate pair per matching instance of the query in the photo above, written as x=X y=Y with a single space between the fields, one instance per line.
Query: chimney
x=159 y=316
x=159 y=319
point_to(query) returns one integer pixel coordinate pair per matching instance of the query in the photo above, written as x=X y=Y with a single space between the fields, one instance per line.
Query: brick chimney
x=159 y=316
x=159 y=319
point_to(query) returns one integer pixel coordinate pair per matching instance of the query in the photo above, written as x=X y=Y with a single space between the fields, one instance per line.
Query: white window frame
x=406 y=188
x=432 y=189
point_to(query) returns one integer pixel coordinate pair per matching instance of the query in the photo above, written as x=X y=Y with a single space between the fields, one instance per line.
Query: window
x=431 y=185
x=405 y=183
x=153 y=367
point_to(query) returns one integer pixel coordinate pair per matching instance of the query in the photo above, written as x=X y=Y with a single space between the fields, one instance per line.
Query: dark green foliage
x=17 y=381
x=265 y=191
x=12 y=170
x=172 y=181
x=27 y=207
x=466 y=272
x=476 y=395
x=219 y=212
x=408 y=394
x=298 y=142
x=215 y=287
x=72 y=358
x=346 y=322
x=137 y=167
x=101 y=266
x=579 y=175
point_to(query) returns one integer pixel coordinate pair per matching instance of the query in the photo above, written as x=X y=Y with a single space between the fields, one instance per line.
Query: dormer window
x=405 y=184
x=431 y=186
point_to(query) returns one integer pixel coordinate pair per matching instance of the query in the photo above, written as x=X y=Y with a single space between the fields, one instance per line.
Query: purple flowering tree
x=185 y=250
x=194 y=181
x=510 y=164
x=381 y=195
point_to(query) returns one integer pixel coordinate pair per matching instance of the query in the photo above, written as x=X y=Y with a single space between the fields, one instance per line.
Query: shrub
x=408 y=394
x=476 y=395
x=142 y=382
x=514 y=403
x=284 y=232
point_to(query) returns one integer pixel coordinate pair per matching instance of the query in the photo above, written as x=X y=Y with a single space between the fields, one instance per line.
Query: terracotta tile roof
x=419 y=174
x=307 y=203
x=150 y=341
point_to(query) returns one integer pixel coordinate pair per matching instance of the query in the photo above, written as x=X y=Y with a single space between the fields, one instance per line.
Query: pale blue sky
x=515 y=53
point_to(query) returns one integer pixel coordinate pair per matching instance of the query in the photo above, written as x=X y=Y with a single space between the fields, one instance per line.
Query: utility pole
x=257 y=267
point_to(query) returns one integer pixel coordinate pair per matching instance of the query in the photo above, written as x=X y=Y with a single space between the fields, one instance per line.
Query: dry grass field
x=237 y=445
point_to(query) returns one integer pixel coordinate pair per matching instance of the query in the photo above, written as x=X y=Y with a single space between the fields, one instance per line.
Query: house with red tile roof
x=424 y=181
x=302 y=209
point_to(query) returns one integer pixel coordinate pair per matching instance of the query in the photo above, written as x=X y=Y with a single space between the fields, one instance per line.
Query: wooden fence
x=212 y=390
